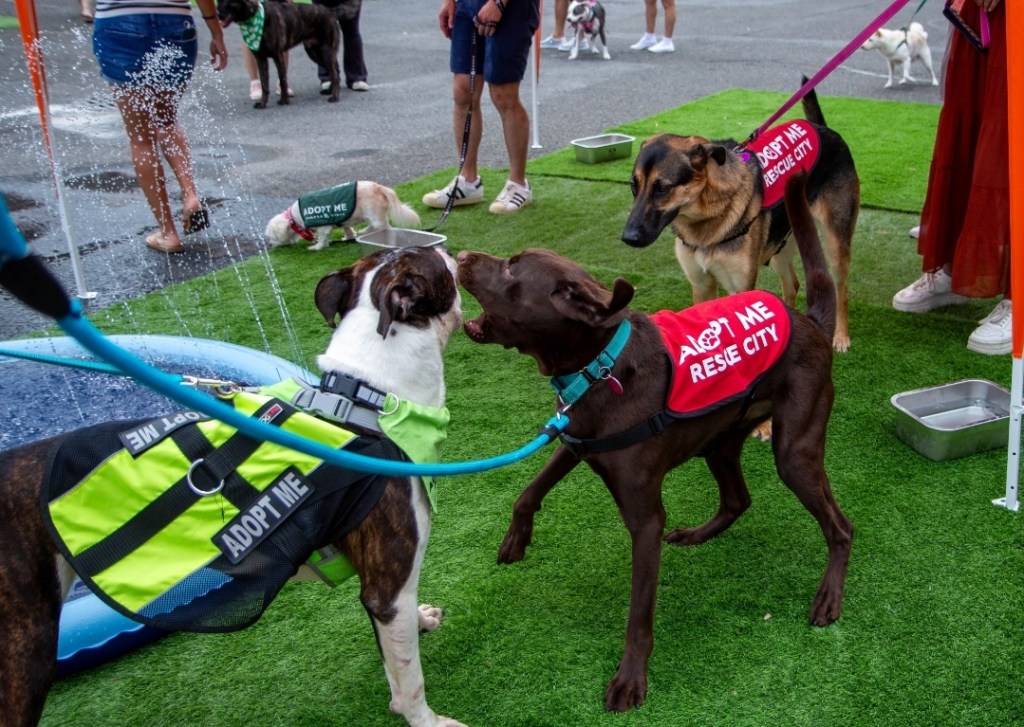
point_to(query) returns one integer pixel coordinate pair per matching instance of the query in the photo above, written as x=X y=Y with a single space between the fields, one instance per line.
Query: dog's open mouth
x=476 y=328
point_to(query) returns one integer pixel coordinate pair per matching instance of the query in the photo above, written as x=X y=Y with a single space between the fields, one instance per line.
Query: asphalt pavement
x=251 y=163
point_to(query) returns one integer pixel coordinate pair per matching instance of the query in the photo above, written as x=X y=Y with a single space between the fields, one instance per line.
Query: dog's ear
x=718 y=153
x=333 y=293
x=397 y=301
x=588 y=301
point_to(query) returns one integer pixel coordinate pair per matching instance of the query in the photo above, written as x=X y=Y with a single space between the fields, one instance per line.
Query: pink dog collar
x=304 y=232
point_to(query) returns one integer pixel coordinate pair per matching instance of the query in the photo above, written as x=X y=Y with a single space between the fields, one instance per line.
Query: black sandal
x=196 y=221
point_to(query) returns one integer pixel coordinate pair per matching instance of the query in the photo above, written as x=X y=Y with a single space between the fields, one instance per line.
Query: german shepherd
x=711 y=192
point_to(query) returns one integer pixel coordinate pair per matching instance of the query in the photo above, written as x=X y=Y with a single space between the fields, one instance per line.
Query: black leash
x=465 y=134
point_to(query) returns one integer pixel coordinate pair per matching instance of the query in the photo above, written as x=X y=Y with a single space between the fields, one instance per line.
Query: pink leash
x=837 y=59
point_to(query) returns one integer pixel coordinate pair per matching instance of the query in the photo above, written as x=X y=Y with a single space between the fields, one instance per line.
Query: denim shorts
x=152 y=50
x=502 y=57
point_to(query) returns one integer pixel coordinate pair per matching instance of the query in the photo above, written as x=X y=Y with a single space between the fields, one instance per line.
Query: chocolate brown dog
x=285 y=25
x=550 y=308
x=713 y=195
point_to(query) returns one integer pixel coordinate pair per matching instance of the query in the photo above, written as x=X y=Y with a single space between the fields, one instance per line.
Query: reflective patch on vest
x=149 y=434
x=781 y=151
x=719 y=349
x=331 y=206
x=252 y=525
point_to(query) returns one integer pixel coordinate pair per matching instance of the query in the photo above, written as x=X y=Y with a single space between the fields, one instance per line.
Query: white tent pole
x=534 y=72
x=1015 y=118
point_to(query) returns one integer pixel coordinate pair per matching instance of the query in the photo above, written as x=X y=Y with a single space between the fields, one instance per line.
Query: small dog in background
x=315 y=216
x=587 y=20
x=902 y=47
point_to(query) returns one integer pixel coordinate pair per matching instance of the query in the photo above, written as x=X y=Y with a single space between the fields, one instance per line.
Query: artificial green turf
x=892 y=161
x=931 y=632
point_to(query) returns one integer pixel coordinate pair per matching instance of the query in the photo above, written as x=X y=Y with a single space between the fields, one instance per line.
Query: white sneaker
x=255 y=90
x=277 y=90
x=325 y=87
x=931 y=290
x=995 y=334
x=512 y=198
x=566 y=45
x=360 y=86
x=665 y=45
x=463 y=192
x=915 y=231
x=552 y=42
x=644 y=43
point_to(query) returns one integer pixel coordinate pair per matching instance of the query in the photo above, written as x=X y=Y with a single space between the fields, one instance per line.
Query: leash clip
x=220 y=387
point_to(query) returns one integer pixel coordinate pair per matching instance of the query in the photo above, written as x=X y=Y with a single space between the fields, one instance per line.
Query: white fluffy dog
x=315 y=215
x=900 y=46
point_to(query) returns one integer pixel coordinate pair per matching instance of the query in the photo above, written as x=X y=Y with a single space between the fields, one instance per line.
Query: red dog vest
x=782 y=150
x=720 y=348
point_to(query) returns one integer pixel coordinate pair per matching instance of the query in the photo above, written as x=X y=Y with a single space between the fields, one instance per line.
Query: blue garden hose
x=27 y=277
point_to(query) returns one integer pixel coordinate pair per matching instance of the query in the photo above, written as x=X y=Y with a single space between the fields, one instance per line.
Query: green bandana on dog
x=252 y=29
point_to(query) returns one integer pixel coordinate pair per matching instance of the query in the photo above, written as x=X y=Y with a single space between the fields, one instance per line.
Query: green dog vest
x=331 y=206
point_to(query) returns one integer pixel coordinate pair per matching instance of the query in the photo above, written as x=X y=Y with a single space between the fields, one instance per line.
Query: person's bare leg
x=174 y=145
x=561 y=13
x=142 y=139
x=461 y=105
x=670 y=16
x=650 y=14
x=515 y=122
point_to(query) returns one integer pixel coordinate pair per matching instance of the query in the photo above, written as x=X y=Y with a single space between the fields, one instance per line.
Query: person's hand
x=446 y=18
x=488 y=18
x=218 y=53
x=987 y=5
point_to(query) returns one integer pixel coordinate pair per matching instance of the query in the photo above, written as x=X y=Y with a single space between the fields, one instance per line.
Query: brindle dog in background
x=285 y=25
x=711 y=195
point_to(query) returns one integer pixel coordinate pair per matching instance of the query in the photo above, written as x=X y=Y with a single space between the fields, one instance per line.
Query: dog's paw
x=606 y=55
x=429 y=617
x=763 y=431
x=841 y=343
x=625 y=692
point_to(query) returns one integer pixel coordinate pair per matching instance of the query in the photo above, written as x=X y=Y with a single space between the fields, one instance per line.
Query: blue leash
x=26 y=276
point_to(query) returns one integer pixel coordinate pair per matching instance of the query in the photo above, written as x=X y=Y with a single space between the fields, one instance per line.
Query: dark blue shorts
x=153 y=50
x=502 y=57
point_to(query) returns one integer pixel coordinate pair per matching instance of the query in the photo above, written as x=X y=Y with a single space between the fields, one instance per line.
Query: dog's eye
x=633 y=186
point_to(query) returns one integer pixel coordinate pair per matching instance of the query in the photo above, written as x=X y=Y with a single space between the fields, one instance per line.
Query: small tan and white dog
x=902 y=47
x=587 y=20
x=314 y=216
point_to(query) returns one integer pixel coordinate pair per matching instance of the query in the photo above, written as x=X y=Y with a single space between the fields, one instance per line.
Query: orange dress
x=966 y=216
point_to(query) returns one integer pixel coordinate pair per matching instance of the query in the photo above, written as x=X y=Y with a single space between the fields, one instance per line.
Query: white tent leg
x=1010 y=501
x=533 y=91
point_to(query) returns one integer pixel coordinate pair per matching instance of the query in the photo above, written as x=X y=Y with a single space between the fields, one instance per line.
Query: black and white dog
x=397 y=310
x=587 y=20
x=316 y=214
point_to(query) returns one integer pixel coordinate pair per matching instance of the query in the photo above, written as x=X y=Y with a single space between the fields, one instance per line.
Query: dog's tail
x=821 y=290
x=812 y=110
x=401 y=214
